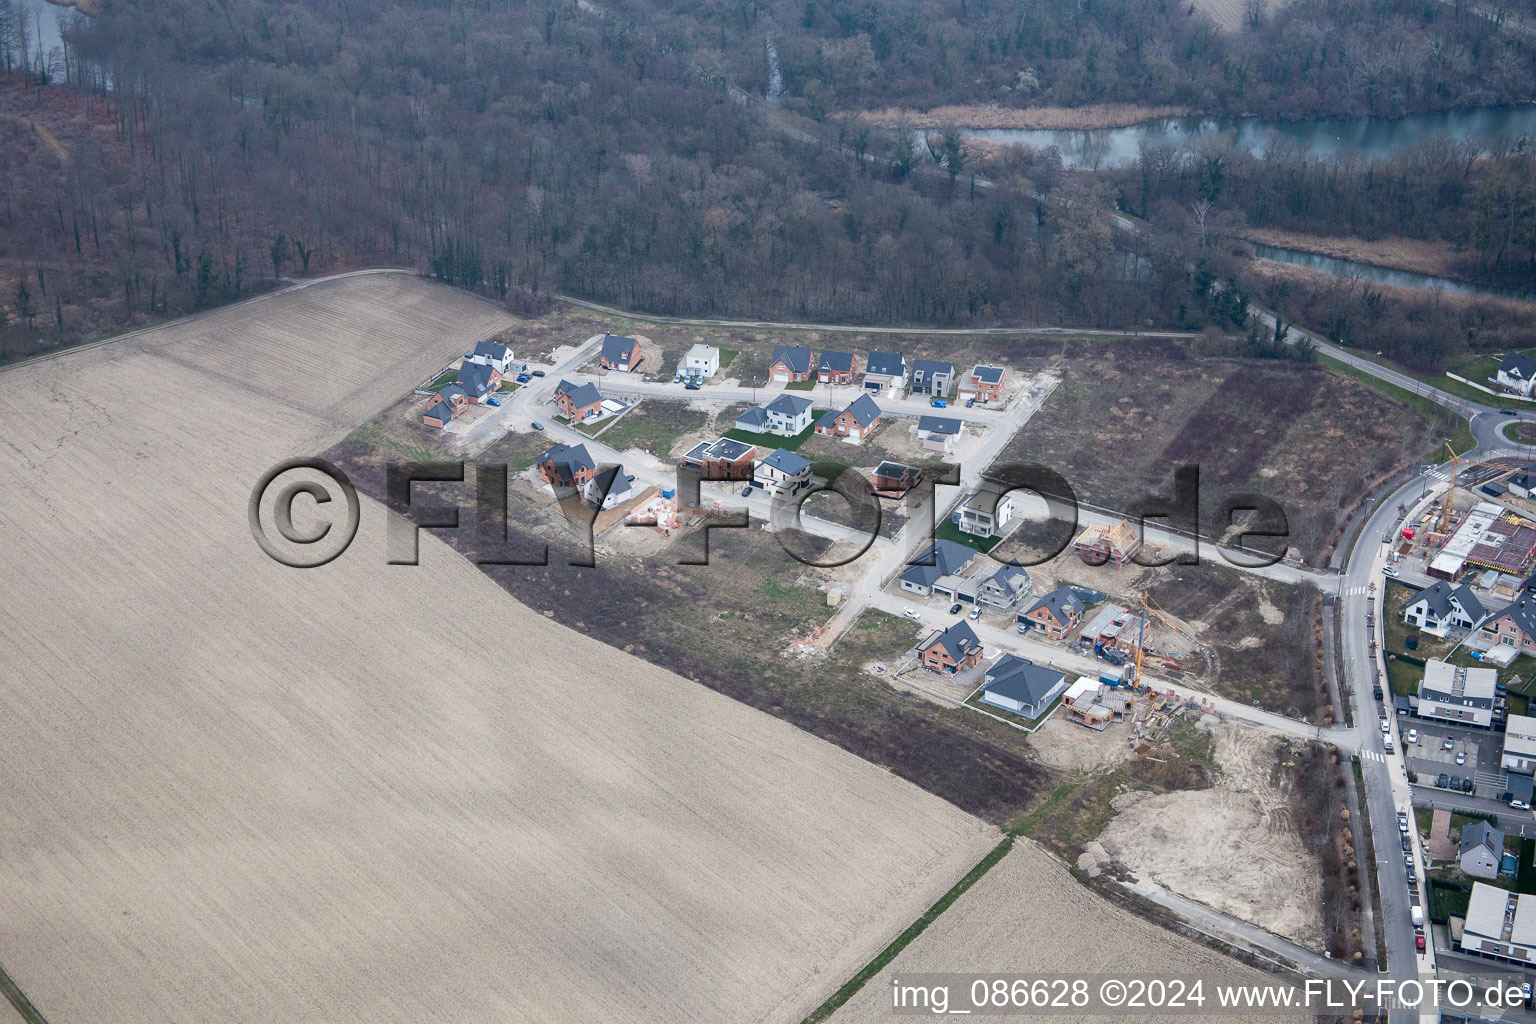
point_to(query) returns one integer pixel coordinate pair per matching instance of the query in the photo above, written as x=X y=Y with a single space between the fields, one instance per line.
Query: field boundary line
x=17 y=998
x=851 y=987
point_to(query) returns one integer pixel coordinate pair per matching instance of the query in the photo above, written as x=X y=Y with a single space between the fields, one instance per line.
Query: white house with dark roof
x=885 y=371
x=1019 y=685
x=1440 y=608
x=786 y=416
x=1003 y=588
x=1481 y=849
x=1517 y=373
x=938 y=433
x=941 y=558
x=1453 y=693
x=986 y=513
x=933 y=378
x=782 y=472
x=609 y=487
x=492 y=354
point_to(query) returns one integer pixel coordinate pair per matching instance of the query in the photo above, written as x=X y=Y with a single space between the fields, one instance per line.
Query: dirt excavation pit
x=1232 y=847
x=1072 y=747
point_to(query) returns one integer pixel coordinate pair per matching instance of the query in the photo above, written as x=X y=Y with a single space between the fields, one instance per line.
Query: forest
x=175 y=155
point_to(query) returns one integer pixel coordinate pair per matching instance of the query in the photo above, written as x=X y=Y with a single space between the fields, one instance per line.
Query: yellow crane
x=1450 y=494
x=1150 y=607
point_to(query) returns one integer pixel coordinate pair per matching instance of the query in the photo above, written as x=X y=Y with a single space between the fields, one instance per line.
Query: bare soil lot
x=241 y=792
x=1127 y=413
x=1030 y=916
x=1233 y=846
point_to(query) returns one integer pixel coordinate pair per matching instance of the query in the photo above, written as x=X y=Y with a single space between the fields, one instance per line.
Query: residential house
x=855 y=422
x=1451 y=693
x=479 y=380
x=492 y=354
x=1521 y=485
x=578 y=402
x=942 y=558
x=786 y=416
x=885 y=371
x=566 y=465
x=986 y=513
x=701 y=361
x=1519 y=745
x=1113 y=545
x=1003 y=589
x=1056 y=613
x=1019 y=685
x=938 y=433
x=1517 y=373
x=950 y=650
x=1500 y=924
x=620 y=353
x=446 y=407
x=1511 y=632
x=609 y=487
x=932 y=378
x=782 y=472
x=722 y=459
x=984 y=384
x=1481 y=849
x=790 y=364
x=835 y=368
x=1094 y=704
x=893 y=479
x=1440 y=608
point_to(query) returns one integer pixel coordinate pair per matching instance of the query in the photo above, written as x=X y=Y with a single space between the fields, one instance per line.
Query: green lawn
x=801 y=385
x=443 y=380
x=1516 y=432
x=1445 y=900
x=947 y=530
x=1448 y=425
x=770 y=441
x=726 y=355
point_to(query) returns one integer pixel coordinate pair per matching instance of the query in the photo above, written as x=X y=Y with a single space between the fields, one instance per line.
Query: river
x=1373 y=136
x=43 y=20
x=1383 y=275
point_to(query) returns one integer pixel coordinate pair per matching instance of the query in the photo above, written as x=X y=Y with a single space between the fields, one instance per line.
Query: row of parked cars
x=1455 y=782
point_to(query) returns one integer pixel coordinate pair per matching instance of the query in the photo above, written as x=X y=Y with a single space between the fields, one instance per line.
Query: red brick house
x=567 y=465
x=951 y=650
x=835 y=368
x=620 y=353
x=892 y=479
x=1055 y=613
x=578 y=402
x=479 y=381
x=723 y=459
x=856 y=421
x=449 y=405
x=983 y=383
x=790 y=365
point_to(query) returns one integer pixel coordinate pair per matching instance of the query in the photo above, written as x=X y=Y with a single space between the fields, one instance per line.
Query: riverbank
x=989 y=116
x=90 y=8
x=1420 y=257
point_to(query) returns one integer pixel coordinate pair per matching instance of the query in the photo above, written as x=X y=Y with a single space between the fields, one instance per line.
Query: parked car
x=1455 y=782
x=975 y=614
x=522 y=378
x=1389 y=571
x=1447 y=745
x=492 y=401
x=1418 y=941
x=939 y=403
x=1376 y=692
x=970 y=402
x=1413 y=735
x=746 y=492
x=1413 y=878
x=1024 y=627
x=693 y=387
x=1461 y=757
x=537 y=373
x=1443 y=781
x=1402 y=822
x=1386 y=725
x=537 y=425
x=1407 y=844
x=909 y=613
x=954 y=609
x=1467 y=785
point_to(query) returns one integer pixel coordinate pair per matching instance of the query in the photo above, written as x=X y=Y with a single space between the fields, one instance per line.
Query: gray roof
x=476 y=378
x=755 y=418
x=441 y=411
x=1012 y=578
x=938 y=424
x=888 y=363
x=492 y=350
x=958 y=639
x=864 y=410
x=451 y=392
x=581 y=395
x=1523 y=611
x=836 y=361
x=795 y=357
x=786 y=462
x=1021 y=679
x=947 y=558
x=988 y=374
x=896 y=469
x=568 y=459
x=614 y=480
x=1480 y=833
x=1517 y=365
x=931 y=366
x=789 y=405
x=1520 y=786
x=1524 y=480
x=1063 y=602
x=728 y=449
x=1438 y=599
x=617 y=348
x=828 y=418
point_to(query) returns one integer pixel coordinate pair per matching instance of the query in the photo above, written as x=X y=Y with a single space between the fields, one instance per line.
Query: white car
x=1461 y=757
x=1388 y=570
x=975 y=613
x=909 y=613
x=1386 y=725
x=1413 y=735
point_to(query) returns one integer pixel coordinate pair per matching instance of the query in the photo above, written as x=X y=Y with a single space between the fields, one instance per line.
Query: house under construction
x=1108 y=545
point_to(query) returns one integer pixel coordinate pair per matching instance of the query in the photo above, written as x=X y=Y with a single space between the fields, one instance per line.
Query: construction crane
x=1151 y=608
x=1450 y=494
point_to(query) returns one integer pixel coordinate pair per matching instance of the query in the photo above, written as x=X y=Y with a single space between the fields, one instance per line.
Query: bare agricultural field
x=1125 y=415
x=241 y=792
x=1029 y=916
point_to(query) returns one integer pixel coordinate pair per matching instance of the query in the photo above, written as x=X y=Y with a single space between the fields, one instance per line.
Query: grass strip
x=1453 y=427
x=916 y=928
x=18 y=999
